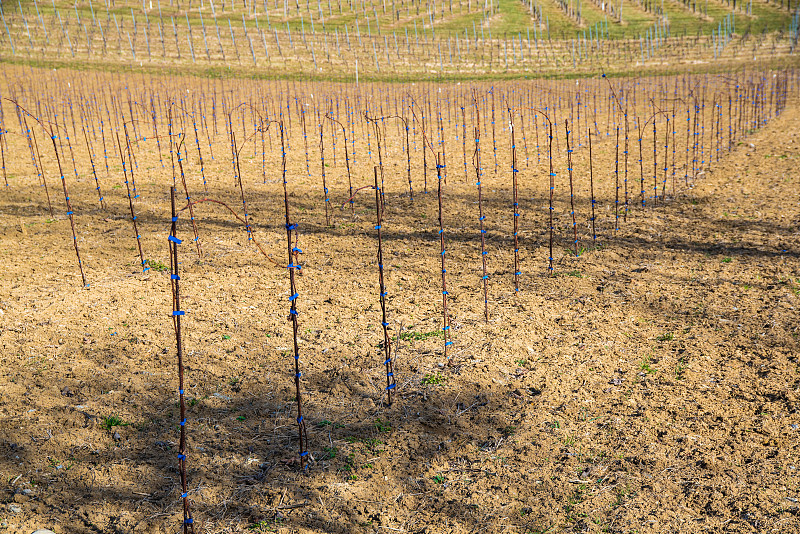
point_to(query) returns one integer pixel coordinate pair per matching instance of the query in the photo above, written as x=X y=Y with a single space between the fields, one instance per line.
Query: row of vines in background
x=571 y=162
x=424 y=39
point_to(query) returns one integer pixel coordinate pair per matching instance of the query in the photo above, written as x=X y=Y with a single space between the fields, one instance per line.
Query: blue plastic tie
x=178 y=312
x=294 y=297
x=391 y=386
x=174 y=240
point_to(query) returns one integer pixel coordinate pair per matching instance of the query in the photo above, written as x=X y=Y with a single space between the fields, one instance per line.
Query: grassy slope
x=513 y=18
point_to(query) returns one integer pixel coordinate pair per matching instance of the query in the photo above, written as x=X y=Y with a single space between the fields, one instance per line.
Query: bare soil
x=649 y=385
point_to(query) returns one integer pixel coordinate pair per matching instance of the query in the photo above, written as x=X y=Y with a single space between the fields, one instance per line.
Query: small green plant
x=226 y=336
x=330 y=452
x=669 y=336
x=434 y=379
x=371 y=443
x=382 y=426
x=233 y=381
x=241 y=418
x=522 y=362
x=156 y=265
x=264 y=526
x=645 y=366
x=680 y=369
x=439 y=479
x=727 y=259
x=325 y=423
x=575 y=274
x=111 y=421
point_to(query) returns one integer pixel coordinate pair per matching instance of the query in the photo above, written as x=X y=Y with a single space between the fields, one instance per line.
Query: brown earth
x=650 y=385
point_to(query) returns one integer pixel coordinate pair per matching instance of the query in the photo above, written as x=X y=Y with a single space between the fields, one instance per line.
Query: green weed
x=156 y=265
x=111 y=421
x=434 y=379
x=382 y=426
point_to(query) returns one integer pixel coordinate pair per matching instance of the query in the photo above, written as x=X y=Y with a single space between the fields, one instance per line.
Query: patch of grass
x=264 y=526
x=645 y=366
x=382 y=426
x=727 y=259
x=571 y=252
x=330 y=452
x=156 y=265
x=325 y=422
x=669 y=336
x=434 y=379
x=111 y=421
x=371 y=443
